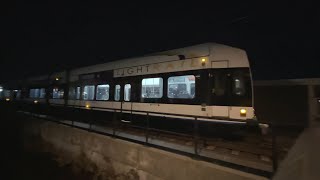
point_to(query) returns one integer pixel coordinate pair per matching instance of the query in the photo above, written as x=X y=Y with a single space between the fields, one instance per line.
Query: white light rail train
x=209 y=81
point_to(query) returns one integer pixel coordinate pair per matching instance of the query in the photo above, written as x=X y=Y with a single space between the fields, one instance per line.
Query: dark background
x=41 y=37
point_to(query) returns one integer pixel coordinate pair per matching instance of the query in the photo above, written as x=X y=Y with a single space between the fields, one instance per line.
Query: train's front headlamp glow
x=57 y=79
x=7 y=99
x=88 y=106
x=35 y=101
x=243 y=112
x=203 y=61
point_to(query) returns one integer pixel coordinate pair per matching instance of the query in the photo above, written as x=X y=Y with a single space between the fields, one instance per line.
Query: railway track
x=252 y=152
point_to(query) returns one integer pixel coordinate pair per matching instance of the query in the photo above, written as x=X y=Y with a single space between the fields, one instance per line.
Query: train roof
x=236 y=57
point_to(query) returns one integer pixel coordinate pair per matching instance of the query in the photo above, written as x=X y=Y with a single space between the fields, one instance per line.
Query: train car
x=209 y=82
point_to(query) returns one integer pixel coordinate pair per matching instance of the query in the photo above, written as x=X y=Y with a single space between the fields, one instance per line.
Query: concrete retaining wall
x=110 y=158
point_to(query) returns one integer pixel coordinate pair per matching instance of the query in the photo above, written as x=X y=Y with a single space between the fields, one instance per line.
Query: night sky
x=37 y=38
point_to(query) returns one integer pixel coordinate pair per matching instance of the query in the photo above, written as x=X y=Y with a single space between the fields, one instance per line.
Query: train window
x=88 y=93
x=18 y=94
x=127 y=92
x=117 y=92
x=103 y=92
x=34 y=93
x=42 y=93
x=238 y=85
x=78 y=93
x=7 y=93
x=181 y=87
x=219 y=88
x=72 y=92
x=152 y=88
x=57 y=93
x=31 y=93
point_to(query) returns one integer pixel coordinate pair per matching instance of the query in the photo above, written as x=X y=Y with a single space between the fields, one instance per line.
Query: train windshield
x=231 y=87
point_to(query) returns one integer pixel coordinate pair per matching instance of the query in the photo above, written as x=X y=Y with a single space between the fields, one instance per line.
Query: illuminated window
x=42 y=93
x=34 y=93
x=152 y=88
x=88 y=93
x=31 y=93
x=72 y=93
x=117 y=93
x=7 y=93
x=57 y=93
x=103 y=92
x=127 y=92
x=18 y=94
x=181 y=87
x=78 y=93
x=238 y=85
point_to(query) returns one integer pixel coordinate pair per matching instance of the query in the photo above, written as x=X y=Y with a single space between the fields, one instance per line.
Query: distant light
x=35 y=101
x=87 y=106
x=7 y=99
x=57 y=79
x=243 y=112
x=1 y=89
x=15 y=90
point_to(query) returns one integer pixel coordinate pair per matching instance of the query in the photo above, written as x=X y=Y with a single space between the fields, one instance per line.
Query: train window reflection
x=88 y=93
x=117 y=92
x=152 y=88
x=103 y=92
x=181 y=87
x=127 y=92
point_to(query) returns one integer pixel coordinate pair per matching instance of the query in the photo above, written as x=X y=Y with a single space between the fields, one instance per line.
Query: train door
x=123 y=94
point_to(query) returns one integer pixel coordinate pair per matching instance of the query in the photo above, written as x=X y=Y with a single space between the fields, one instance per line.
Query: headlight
x=243 y=112
x=203 y=61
